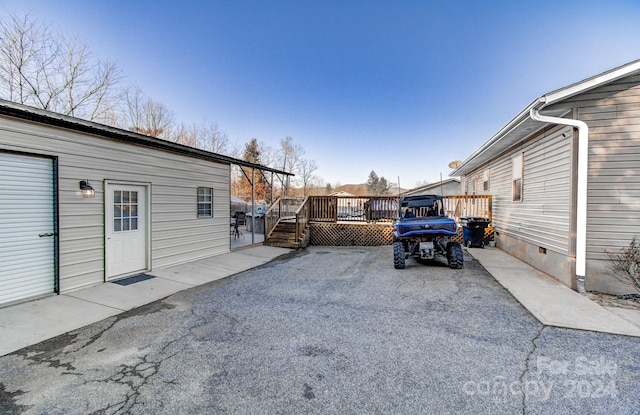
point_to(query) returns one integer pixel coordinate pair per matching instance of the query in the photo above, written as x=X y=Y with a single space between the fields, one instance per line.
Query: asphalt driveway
x=333 y=331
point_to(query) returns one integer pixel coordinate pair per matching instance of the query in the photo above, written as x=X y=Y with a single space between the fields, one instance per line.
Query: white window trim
x=517 y=173
x=485 y=180
x=198 y=202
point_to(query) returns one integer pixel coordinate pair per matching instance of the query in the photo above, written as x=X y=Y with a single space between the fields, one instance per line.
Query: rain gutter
x=581 y=203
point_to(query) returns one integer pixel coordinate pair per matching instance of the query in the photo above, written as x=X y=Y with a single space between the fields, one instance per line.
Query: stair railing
x=271 y=217
x=285 y=207
x=303 y=216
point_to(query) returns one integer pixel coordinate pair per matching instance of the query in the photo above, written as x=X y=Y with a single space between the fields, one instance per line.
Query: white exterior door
x=126 y=229
x=27 y=226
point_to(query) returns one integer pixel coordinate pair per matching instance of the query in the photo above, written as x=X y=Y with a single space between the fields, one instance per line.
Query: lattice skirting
x=345 y=234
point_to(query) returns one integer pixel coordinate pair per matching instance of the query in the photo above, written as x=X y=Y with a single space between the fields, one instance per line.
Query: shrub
x=626 y=264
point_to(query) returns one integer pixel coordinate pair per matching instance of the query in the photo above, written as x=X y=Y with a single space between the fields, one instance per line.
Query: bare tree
x=26 y=50
x=146 y=116
x=306 y=170
x=84 y=87
x=54 y=73
x=287 y=158
x=133 y=108
x=211 y=138
x=158 y=119
x=182 y=134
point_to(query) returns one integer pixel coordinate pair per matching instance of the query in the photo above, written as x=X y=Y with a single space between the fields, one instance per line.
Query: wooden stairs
x=284 y=235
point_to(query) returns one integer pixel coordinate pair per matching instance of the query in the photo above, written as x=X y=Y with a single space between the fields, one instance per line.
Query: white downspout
x=581 y=205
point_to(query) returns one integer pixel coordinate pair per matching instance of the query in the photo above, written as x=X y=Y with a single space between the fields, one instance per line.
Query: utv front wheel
x=398 y=255
x=454 y=256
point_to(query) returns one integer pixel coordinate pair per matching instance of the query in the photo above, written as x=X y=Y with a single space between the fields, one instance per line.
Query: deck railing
x=361 y=209
x=324 y=208
x=353 y=208
x=467 y=205
x=385 y=208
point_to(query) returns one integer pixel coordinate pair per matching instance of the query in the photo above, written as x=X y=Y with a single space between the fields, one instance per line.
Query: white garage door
x=26 y=227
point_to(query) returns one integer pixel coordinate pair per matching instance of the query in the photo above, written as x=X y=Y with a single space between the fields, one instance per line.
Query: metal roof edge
x=24 y=112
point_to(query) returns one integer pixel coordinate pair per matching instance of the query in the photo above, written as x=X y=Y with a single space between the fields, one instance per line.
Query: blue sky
x=399 y=87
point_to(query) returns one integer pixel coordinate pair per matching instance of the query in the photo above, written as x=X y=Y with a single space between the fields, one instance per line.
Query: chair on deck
x=240 y=218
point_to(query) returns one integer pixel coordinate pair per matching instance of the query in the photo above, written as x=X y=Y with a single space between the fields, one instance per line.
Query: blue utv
x=423 y=231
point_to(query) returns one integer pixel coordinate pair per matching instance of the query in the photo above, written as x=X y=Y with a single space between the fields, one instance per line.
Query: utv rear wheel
x=398 y=255
x=454 y=256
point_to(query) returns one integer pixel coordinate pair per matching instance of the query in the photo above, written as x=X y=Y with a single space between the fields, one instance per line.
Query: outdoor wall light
x=87 y=190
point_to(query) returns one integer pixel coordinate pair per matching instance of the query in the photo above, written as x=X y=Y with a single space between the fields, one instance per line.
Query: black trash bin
x=473 y=230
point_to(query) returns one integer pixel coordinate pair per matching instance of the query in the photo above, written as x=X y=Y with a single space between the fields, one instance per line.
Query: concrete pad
x=30 y=323
x=192 y=273
x=264 y=252
x=129 y=296
x=219 y=266
x=233 y=261
x=551 y=302
x=632 y=316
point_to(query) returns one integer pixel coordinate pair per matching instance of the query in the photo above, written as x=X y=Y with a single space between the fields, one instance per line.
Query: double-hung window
x=517 y=163
x=205 y=202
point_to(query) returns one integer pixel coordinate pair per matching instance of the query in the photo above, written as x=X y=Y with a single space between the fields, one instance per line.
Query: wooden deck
x=288 y=221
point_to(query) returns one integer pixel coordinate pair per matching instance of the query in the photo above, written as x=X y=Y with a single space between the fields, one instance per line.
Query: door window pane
x=125 y=211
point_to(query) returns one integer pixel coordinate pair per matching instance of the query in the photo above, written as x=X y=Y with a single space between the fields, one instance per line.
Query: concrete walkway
x=551 y=302
x=30 y=323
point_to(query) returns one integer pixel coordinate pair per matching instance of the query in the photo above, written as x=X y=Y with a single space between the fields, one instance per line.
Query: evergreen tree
x=372 y=183
x=261 y=185
x=377 y=186
x=382 y=188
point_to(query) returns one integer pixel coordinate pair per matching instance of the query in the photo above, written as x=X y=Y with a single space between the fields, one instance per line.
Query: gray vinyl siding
x=542 y=217
x=613 y=115
x=177 y=235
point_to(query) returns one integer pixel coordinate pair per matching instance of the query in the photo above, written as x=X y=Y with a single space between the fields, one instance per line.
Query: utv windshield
x=420 y=208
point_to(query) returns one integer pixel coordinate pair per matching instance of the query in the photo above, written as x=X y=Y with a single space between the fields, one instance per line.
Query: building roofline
x=432 y=184
x=504 y=131
x=484 y=152
x=23 y=112
x=592 y=82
